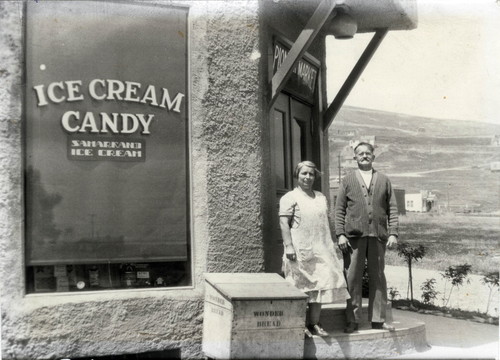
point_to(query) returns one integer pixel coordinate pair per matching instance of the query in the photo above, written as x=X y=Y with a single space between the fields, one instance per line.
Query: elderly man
x=366 y=222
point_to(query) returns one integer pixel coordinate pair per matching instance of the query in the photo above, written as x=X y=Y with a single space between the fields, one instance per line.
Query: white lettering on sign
x=82 y=152
x=72 y=92
x=106 y=144
x=114 y=150
x=279 y=56
x=106 y=153
x=108 y=89
x=119 y=153
x=305 y=72
x=117 y=123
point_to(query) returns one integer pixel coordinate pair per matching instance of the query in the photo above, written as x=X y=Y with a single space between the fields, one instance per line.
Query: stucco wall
x=11 y=245
x=232 y=131
x=226 y=170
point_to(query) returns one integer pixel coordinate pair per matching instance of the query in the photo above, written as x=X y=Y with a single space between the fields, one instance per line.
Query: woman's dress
x=318 y=269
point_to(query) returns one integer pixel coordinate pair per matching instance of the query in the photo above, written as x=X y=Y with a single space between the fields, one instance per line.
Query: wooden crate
x=253 y=316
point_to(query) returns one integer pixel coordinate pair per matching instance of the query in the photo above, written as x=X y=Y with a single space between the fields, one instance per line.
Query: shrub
x=490 y=280
x=429 y=293
x=393 y=293
x=456 y=275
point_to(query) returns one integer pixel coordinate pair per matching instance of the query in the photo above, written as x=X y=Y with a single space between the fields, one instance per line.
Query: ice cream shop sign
x=107 y=90
x=107 y=128
x=77 y=122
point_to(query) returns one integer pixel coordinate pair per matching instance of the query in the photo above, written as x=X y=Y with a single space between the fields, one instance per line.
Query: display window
x=89 y=277
x=106 y=146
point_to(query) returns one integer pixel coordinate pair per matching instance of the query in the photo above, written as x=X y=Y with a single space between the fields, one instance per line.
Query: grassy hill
x=450 y=157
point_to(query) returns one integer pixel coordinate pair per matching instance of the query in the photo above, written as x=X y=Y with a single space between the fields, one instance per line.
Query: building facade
x=424 y=201
x=144 y=144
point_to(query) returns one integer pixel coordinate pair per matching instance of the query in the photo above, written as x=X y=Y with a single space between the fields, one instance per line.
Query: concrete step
x=408 y=338
x=333 y=316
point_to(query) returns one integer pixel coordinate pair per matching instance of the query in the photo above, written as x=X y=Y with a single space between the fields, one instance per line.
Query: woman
x=309 y=260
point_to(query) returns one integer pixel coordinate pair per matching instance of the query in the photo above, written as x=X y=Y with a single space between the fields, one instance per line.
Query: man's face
x=364 y=157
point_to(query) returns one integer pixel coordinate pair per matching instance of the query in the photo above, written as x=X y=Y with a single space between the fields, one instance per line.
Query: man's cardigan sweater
x=362 y=211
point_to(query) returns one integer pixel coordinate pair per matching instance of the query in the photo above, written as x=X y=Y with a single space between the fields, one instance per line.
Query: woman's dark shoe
x=351 y=327
x=318 y=330
x=382 y=326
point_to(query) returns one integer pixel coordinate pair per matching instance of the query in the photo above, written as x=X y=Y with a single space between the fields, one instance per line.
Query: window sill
x=61 y=298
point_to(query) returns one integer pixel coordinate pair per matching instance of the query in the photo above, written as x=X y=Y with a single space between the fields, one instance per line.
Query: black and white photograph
x=249 y=179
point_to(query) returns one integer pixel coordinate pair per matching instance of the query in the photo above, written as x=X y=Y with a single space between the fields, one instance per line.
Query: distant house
x=421 y=130
x=495 y=166
x=347 y=132
x=495 y=141
x=423 y=201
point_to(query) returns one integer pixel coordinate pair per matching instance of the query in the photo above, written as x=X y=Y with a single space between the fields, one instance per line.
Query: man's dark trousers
x=373 y=250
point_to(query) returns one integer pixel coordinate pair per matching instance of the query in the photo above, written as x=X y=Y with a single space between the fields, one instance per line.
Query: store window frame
x=190 y=251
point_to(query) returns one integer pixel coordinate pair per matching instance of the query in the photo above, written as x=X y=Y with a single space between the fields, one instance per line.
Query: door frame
x=286 y=104
x=319 y=149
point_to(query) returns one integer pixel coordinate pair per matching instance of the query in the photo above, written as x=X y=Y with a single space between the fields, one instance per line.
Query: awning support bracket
x=353 y=77
x=300 y=46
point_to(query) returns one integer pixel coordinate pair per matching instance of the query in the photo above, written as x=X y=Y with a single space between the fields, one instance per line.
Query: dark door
x=291 y=142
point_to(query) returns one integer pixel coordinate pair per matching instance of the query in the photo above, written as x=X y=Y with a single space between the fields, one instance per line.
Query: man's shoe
x=307 y=333
x=382 y=326
x=318 y=330
x=388 y=327
x=351 y=327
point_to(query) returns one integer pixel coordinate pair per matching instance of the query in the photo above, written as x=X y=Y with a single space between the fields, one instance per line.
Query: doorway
x=291 y=142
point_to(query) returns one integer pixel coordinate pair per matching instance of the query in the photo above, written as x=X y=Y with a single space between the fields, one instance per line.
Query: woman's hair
x=307 y=163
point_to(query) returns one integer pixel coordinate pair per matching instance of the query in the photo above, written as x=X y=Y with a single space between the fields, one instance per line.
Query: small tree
x=490 y=280
x=456 y=275
x=410 y=254
x=429 y=293
x=393 y=293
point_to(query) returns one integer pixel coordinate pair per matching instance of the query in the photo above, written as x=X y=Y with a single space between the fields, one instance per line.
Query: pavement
x=454 y=338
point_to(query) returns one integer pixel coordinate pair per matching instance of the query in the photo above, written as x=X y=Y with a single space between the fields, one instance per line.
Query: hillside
x=450 y=157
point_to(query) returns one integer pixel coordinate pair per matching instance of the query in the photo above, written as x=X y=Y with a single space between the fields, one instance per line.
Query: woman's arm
x=287 y=237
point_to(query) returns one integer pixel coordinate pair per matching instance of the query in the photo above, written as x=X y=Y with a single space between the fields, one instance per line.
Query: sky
x=446 y=68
